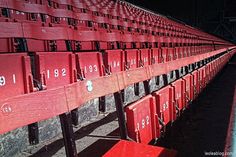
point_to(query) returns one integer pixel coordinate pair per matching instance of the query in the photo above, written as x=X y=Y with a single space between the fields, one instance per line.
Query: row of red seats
x=38 y=12
x=16 y=37
x=147 y=118
x=57 y=69
x=103 y=4
x=46 y=70
x=124 y=9
x=131 y=41
x=118 y=8
x=30 y=44
x=83 y=21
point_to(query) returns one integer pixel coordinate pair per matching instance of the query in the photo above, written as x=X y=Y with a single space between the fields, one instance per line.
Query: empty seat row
x=16 y=37
x=36 y=12
x=45 y=70
x=123 y=6
x=21 y=44
x=148 y=117
x=54 y=69
x=33 y=12
x=82 y=21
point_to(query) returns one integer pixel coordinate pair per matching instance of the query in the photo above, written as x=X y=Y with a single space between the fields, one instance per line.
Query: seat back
x=140 y=120
x=15 y=75
x=89 y=65
x=54 y=69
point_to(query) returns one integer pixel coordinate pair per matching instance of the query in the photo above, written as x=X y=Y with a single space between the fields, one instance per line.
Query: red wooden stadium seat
x=164 y=104
x=89 y=65
x=141 y=118
x=114 y=60
x=54 y=69
x=179 y=96
x=15 y=75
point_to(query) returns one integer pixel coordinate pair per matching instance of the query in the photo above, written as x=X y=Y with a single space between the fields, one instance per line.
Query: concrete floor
x=92 y=140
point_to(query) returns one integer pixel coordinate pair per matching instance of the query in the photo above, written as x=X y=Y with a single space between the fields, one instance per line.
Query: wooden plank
x=27 y=109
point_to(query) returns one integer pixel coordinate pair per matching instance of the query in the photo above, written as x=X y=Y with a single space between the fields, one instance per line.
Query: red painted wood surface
x=132 y=149
x=140 y=120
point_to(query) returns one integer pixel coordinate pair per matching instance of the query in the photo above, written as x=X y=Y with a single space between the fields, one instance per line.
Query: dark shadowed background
x=214 y=16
